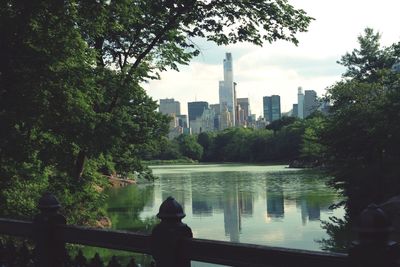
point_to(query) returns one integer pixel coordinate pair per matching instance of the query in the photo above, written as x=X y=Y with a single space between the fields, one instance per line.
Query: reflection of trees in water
x=125 y=205
x=340 y=235
x=304 y=188
x=341 y=231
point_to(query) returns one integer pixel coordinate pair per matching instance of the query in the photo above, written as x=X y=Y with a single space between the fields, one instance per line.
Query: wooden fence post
x=165 y=245
x=373 y=247
x=49 y=251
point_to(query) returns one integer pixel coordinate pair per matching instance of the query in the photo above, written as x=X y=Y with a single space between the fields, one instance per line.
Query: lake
x=266 y=205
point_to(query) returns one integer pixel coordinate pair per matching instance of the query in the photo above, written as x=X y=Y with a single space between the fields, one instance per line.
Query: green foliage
x=189 y=147
x=295 y=139
x=278 y=124
x=362 y=134
x=312 y=149
x=365 y=63
x=291 y=139
x=71 y=102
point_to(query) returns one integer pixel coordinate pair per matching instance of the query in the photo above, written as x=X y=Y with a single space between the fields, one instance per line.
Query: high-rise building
x=300 y=103
x=217 y=111
x=169 y=106
x=244 y=111
x=182 y=121
x=174 y=129
x=325 y=107
x=226 y=120
x=196 y=109
x=396 y=67
x=295 y=111
x=227 y=88
x=272 y=108
x=260 y=123
x=204 y=123
x=311 y=103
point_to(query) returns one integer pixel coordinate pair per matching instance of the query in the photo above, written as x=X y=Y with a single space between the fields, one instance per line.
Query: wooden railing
x=171 y=243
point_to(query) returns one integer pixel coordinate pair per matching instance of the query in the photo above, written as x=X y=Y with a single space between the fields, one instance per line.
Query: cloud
x=281 y=67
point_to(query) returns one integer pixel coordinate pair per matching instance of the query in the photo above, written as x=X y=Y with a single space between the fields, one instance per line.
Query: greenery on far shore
x=286 y=140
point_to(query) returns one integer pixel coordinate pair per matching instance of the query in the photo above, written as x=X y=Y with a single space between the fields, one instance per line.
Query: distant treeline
x=286 y=140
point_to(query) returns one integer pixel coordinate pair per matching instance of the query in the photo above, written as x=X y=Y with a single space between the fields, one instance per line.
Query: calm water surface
x=267 y=205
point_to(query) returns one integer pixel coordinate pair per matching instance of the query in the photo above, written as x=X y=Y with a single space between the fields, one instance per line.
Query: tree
x=189 y=147
x=276 y=125
x=311 y=148
x=205 y=139
x=70 y=84
x=362 y=133
x=364 y=64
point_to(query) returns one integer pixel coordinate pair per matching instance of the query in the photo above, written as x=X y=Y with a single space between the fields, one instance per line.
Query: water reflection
x=275 y=202
x=268 y=205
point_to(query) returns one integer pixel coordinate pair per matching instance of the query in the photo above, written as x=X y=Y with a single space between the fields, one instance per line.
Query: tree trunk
x=79 y=165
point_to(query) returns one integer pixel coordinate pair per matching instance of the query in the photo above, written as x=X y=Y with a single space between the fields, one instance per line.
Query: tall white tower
x=226 y=88
x=300 y=103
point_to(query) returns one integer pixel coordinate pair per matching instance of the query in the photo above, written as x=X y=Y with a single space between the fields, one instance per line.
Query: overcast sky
x=281 y=67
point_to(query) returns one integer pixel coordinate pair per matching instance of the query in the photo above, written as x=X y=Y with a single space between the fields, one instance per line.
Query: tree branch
x=142 y=55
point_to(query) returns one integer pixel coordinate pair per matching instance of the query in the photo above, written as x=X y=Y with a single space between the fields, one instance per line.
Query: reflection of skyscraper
x=314 y=211
x=310 y=211
x=231 y=213
x=275 y=202
x=201 y=206
x=177 y=192
x=246 y=204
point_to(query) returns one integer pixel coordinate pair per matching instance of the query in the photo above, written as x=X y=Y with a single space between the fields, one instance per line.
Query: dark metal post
x=49 y=251
x=166 y=236
x=373 y=247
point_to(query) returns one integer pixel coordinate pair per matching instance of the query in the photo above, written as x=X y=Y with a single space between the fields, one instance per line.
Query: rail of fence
x=171 y=243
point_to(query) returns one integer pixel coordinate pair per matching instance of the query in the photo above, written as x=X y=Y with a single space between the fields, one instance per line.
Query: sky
x=281 y=67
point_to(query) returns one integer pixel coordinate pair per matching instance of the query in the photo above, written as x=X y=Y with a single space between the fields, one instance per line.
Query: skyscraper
x=310 y=102
x=204 y=123
x=272 y=108
x=196 y=109
x=226 y=88
x=295 y=111
x=300 y=103
x=182 y=121
x=170 y=106
x=244 y=109
x=225 y=119
x=217 y=111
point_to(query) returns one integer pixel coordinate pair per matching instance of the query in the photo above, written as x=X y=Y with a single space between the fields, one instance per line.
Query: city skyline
x=280 y=68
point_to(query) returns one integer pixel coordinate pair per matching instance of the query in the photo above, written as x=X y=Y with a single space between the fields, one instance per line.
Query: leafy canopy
x=362 y=133
x=72 y=108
